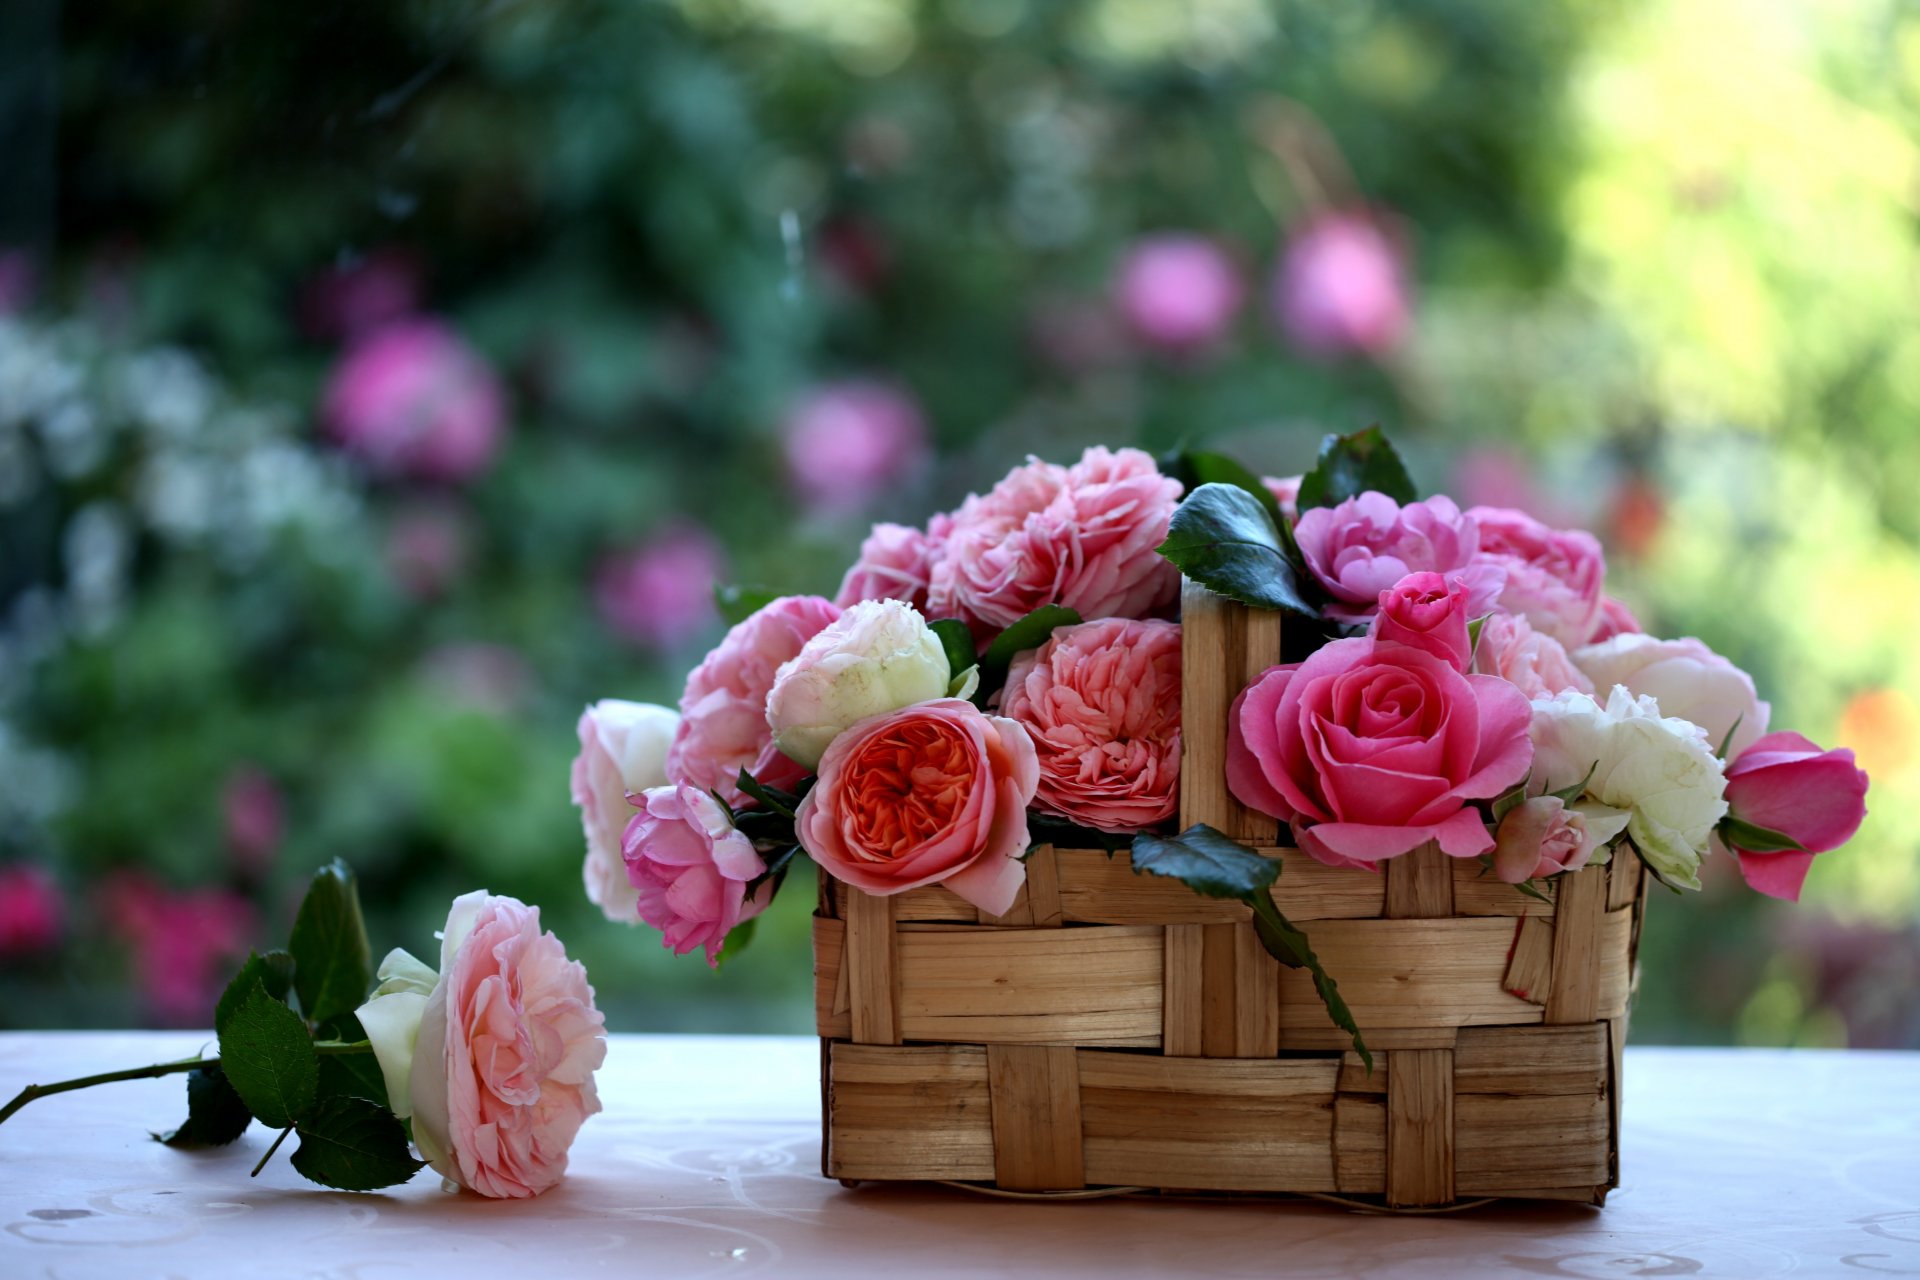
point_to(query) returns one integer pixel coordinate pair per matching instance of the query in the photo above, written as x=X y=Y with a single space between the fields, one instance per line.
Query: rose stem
x=326 y=1048
x=270 y=1150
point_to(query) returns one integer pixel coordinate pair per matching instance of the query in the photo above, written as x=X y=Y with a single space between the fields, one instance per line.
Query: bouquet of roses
x=1010 y=676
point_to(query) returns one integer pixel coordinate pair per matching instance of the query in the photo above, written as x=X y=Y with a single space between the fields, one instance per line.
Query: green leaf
x=1030 y=632
x=215 y=1113
x=269 y=1060
x=1728 y=740
x=736 y=941
x=1473 y=637
x=1755 y=839
x=1286 y=943
x=781 y=802
x=332 y=963
x=1224 y=540
x=274 y=971
x=1351 y=465
x=351 y=1144
x=352 y=1075
x=777 y=864
x=737 y=603
x=1567 y=795
x=1510 y=799
x=957 y=641
x=1207 y=862
x=1195 y=467
x=1532 y=891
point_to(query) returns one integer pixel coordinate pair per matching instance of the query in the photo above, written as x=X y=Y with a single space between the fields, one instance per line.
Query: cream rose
x=1688 y=679
x=623 y=752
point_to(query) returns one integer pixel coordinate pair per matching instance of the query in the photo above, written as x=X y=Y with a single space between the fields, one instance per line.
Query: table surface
x=1738 y=1163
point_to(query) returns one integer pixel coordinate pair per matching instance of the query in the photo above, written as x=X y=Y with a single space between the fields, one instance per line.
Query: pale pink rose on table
x=896 y=563
x=254 y=815
x=413 y=399
x=623 y=752
x=1342 y=287
x=33 y=911
x=1286 y=492
x=689 y=868
x=1615 y=620
x=659 y=593
x=1369 y=751
x=1365 y=545
x=1554 y=576
x=1536 y=664
x=1080 y=536
x=1428 y=611
x=1102 y=703
x=848 y=442
x=723 y=712
x=1541 y=837
x=1178 y=291
x=931 y=794
x=1687 y=679
x=1786 y=783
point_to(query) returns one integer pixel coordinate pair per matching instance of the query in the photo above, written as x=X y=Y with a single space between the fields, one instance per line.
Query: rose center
x=910 y=783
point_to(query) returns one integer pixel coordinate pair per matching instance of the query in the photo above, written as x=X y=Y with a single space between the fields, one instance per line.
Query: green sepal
x=1746 y=836
x=776 y=800
x=736 y=941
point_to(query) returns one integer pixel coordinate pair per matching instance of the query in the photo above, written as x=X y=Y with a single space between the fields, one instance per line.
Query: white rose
x=1688 y=680
x=623 y=751
x=879 y=656
x=1659 y=769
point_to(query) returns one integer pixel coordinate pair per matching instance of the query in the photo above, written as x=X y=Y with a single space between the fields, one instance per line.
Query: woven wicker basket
x=1116 y=1030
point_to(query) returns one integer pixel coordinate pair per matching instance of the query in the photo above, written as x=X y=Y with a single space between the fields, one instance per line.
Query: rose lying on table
x=487 y=1065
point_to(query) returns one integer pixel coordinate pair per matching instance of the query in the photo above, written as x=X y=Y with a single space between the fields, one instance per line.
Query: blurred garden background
x=379 y=383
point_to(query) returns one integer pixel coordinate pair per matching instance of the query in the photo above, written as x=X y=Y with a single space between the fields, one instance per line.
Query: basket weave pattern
x=1118 y=1030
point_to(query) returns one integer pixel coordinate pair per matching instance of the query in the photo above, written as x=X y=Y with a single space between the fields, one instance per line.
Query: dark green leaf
x=957 y=641
x=274 y=971
x=1532 y=890
x=333 y=965
x=737 y=939
x=1509 y=800
x=352 y=1075
x=352 y=1144
x=215 y=1113
x=1351 y=465
x=1285 y=943
x=1030 y=632
x=737 y=604
x=1755 y=839
x=269 y=1060
x=1207 y=862
x=1225 y=540
x=1195 y=467
x=777 y=863
x=782 y=802
x=1044 y=830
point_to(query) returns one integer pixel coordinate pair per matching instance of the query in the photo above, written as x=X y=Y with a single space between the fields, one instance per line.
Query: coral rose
x=1369 y=750
x=934 y=793
x=623 y=751
x=1102 y=703
x=689 y=867
x=1368 y=543
x=1536 y=664
x=1427 y=611
x=1687 y=679
x=895 y=564
x=1785 y=783
x=1553 y=576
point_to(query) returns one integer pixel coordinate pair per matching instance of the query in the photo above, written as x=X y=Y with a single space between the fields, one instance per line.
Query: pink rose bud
x=689 y=868
x=413 y=399
x=1179 y=292
x=1553 y=576
x=32 y=910
x=1428 y=611
x=1366 y=544
x=849 y=442
x=1537 y=665
x=659 y=594
x=255 y=817
x=1786 y=783
x=1341 y=288
x=1541 y=837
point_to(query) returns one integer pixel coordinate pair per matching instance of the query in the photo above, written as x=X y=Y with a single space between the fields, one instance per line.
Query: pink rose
x=1342 y=287
x=1102 y=703
x=1368 y=543
x=509 y=1039
x=1615 y=620
x=1554 y=576
x=848 y=442
x=1179 y=292
x=1428 y=611
x=895 y=563
x=933 y=793
x=623 y=751
x=723 y=713
x=1688 y=680
x=1538 y=665
x=660 y=593
x=1541 y=837
x=1080 y=536
x=689 y=868
x=414 y=399
x=1786 y=783
x=1369 y=750
x=1286 y=492
x=32 y=910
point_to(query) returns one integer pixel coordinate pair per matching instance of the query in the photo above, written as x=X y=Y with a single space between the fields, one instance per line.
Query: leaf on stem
x=352 y=1075
x=215 y=1113
x=332 y=961
x=1350 y=465
x=273 y=971
x=351 y=1144
x=269 y=1060
x=1030 y=632
x=1224 y=539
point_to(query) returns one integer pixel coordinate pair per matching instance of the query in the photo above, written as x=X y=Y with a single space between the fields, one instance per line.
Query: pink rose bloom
x=1102 y=703
x=32 y=910
x=896 y=563
x=1342 y=288
x=623 y=752
x=935 y=793
x=1286 y=492
x=689 y=868
x=254 y=816
x=1554 y=576
x=1080 y=536
x=848 y=442
x=509 y=1039
x=1179 y=292
x=1370 y=750
x=1428 y=611
x=1538 y=665
x=659 y=593
x=1689 y=681
x=723 y=713
x=1541 y=837
x=414 y=399
x=1615 y=620
x=1786 y=783
x=1368 y=543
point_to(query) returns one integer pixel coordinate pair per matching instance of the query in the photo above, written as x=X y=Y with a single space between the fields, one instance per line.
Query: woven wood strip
x=872 y=986
x=909 y=1112
x=1183 y=991
x=1624 y=879
x=1420 y=885
x=1036 y=1117
x=1579 y=917
x=1420 y=1127
x=1530 y=967
x=1230 y=645
x=1096 y=985
x=1409 y=974
x=832 y=1007
x=1478 y=892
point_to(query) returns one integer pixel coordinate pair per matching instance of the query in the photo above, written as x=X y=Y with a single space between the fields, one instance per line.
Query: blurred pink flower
x=1178 y=291
x=412 y=398
x=32 y=910
x=1495 y=477
x=494 y=678
x=1341 y=288
x=182 y=942
x=427 y=549
x=19 y=281
x=255 y=817
x=354 y=297
x=1076 y=334
x=659 y=593
x=848 y=442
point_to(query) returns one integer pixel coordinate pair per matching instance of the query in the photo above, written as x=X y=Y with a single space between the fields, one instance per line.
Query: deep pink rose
x=1080 y=536
x=848 y=442
x=1428 y=611
x=1102 y=703
x=660 y=593
x=1178 y=291
x=1786 y=783
x=1369 y=750
x=1368 y=543
x=689 y=867
x=935 y=793
x=1286 y=492
x=1554 y=576
x=32 y=910
x=414 y=399
x=1541 y=837
x=1615 y=620
x=895 y=563
x=254 y=816
x=1537 y=664
x=723 y=713
x=1342 y=287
